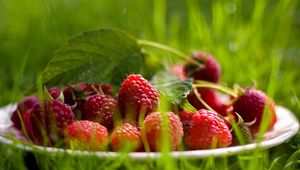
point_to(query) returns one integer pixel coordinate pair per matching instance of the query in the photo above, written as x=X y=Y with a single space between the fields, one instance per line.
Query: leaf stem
x=201 y=83
x=198 y=95
x=163 y=47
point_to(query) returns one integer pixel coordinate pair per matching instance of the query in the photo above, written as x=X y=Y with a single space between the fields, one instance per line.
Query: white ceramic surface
x=286 y=127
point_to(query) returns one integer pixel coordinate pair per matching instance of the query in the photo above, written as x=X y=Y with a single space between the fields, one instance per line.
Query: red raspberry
x=137 y=96
x=186 y=119
x=208 y=131
x=76 y=94
x=86 y=135
x=126 y=136
x=55 y=92
x=251 y=105
x=48 y=122
x=37 y=121
x=153 y=126
x=27 y=124
x=211 y=98
x=101 y=108
x=26 y=104
x=58 y=116
x=208 y=68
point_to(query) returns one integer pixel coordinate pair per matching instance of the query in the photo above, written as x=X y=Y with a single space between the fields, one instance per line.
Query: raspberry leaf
x=170 y=86
x=101 y=56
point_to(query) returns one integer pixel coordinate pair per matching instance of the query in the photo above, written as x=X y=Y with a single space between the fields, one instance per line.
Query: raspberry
x=211 y=98
x=153 y=126
x=76 y=94
x=101 y=108
x=37 y=121
x=137 y=96
x=48 y=122
x=126 y=136
x=207 y=67
x=54 y=92
x=23 y=106
x=251 y=105
x=186 y=119
x=27 y=124
x=86 y=135
x=208 y=131
x=58 y=117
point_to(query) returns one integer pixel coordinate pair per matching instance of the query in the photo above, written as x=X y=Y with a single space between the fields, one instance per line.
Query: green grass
x=253 y=40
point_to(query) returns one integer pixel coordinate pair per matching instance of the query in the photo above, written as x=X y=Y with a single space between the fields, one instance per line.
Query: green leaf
x=101 y=56
x=170 y=86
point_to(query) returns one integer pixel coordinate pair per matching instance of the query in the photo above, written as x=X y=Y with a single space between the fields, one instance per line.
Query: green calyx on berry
x=241 y=133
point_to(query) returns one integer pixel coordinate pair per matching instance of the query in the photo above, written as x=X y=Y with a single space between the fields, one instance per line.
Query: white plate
x=286 y=127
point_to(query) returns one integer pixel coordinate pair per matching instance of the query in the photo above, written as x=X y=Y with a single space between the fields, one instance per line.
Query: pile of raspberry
x=90 y=117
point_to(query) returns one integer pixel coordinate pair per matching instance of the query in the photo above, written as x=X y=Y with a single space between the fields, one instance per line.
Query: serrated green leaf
x=101 y=56
x=169 y=85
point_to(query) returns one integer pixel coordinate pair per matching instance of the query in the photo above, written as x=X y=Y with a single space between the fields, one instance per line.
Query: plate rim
x=228 y=151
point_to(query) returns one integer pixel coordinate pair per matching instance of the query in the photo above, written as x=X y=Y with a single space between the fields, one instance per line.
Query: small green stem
x=200 y=83
x=169 y=49
x=198 y=95
x=163 y=47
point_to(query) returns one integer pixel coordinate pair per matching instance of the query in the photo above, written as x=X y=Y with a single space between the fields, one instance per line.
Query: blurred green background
x=249 y=38
x=254 y=41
